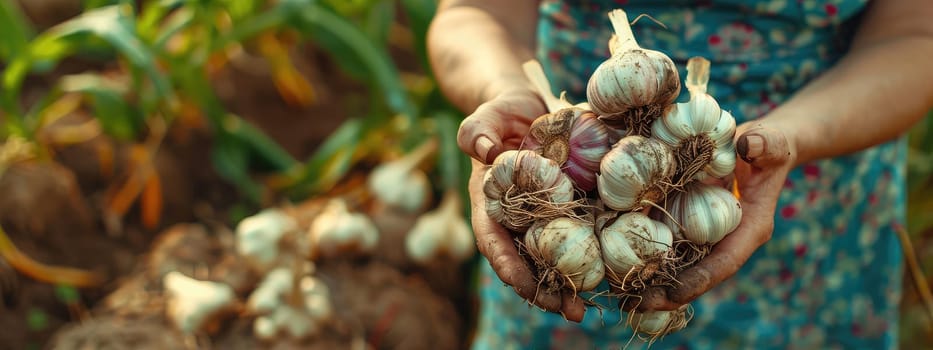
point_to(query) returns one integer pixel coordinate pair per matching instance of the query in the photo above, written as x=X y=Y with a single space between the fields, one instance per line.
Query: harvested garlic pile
x=610 y=189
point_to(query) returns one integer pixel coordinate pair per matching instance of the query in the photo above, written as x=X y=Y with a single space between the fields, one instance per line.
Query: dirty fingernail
x=483 y=145
x=750 y=147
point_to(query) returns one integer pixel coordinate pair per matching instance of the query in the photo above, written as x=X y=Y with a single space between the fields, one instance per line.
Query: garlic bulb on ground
x=271 y=291
x=698 y=130
x=522 y=186
x=337 y=232
x=192 y=304
x=442 y=233
x=635 y=249
x=400 y=183
x=258 y=236
x=636 y=172
x=706 y=213
x=634 y=85
x=566 y=254
x=656 y=324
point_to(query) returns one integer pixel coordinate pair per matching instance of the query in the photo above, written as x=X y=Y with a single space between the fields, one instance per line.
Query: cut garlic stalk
x=707 y=213
x=337 y=232
x=566 y=254
x=442 y=233
x=535 y=73
x=193 y=304
x=634 y=85
x=698 y=130
x=635 y=173
x=634 y=248
x=400 y=183
x=258 y=236
x=523 y=186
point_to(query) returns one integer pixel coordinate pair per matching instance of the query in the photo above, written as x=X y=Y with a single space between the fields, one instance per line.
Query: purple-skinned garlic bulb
x=576 y=139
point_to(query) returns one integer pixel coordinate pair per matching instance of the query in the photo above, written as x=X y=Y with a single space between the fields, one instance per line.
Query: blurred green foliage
x=166 y=48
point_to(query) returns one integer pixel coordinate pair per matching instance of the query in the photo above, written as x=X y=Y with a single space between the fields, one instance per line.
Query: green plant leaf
x=419 y=14
x=330 y=162
x=349 y=44
x=16 y=30
x=379 y=20
x=117 y=117
x=451 y=161
x=231 y=160
x=113 y=24
x=261 y=148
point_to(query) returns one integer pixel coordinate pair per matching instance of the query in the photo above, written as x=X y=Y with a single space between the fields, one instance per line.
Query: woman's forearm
x=477 y=47
x=874 y=94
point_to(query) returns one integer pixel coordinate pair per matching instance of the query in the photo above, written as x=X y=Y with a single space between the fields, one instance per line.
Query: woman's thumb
x=479 y=137
x=763 y=146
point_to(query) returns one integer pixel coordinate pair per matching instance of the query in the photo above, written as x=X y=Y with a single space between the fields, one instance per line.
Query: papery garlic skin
x=193 y=303
x=699 y=128
x=566 y=250
x=635 y=171
x=634 y=85
x=576 y=139
x=338 y=232
x=707 y=213
x=441 y=233
x=522 y=186
x=257 y=236
x=633 y=240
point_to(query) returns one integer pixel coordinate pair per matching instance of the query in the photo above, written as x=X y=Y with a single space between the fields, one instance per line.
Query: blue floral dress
x=830 y=278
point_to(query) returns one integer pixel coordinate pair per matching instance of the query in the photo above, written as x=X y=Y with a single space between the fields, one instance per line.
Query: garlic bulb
x=193 y=304
x=258 y=236
x=569 y=134
x=698 y=130
x=285 y=319
x=707 y=213
x=634 y=247
x=635 y=172
x=441 y=233
x=634 y=86
x=566 y=254
x=298 y=320
x=316 y=299
x=575 y=139
x=338 y=232
x=656 y=324
x=522 y=186
x=270 y=292
x=400 y=183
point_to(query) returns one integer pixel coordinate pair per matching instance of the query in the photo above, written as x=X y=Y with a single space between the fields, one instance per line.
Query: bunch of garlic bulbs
x=615 y=188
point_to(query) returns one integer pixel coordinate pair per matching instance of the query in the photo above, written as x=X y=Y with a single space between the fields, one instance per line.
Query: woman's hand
x=497 y=126
x=768 y=155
